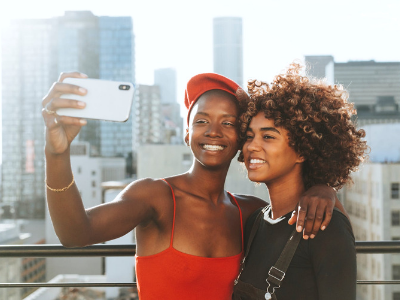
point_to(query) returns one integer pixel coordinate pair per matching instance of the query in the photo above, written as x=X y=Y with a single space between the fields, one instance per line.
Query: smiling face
x=212 y=133
x=267 y=154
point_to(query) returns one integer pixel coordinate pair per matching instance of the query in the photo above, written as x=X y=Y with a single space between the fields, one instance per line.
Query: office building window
x=396 y=296
x=395 y=218
x=395 y=190
x=396 y=272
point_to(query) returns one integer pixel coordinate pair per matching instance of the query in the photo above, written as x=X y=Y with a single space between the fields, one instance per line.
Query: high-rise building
x=374 y=87
x=373 y=204
x=170 y=108
x=148 y=122
x=29 y=68
x=101 y=47
x=34 y=52
x=228 y=48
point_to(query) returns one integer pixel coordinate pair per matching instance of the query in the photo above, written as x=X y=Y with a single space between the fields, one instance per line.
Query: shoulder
x=148 y=189
x=338 y=233
x=249 y=204
x=339 y=222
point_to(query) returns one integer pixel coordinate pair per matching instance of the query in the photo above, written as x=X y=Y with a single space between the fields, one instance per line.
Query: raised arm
x=76 y=226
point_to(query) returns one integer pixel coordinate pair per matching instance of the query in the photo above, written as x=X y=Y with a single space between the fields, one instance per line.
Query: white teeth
x=213 y=147
x=257 y=161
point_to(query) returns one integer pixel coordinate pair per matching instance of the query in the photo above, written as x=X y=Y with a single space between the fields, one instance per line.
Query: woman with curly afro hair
x=298 y=132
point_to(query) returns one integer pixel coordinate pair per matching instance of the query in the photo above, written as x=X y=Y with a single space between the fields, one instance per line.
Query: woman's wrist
x=52 y=155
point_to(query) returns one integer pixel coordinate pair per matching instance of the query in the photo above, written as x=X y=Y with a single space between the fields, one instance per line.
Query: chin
x=254 y=177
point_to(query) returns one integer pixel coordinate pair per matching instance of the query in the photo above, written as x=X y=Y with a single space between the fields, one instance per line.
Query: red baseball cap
x=201 y=83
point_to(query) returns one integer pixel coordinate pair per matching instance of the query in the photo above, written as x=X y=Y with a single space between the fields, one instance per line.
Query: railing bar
x=60 y=251
x=378 y=281
x=133 y=284
x=68 y=284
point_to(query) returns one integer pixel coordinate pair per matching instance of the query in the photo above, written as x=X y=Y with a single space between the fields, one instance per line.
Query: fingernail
x=82 y=90
x=312 y=236
x=83 y=122
x=306 y=237
x=299 y=228
x=81 y=104
x=84 y=75
x=323 y=227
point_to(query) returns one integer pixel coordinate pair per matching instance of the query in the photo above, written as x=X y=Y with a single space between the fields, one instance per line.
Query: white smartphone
x=105 y=100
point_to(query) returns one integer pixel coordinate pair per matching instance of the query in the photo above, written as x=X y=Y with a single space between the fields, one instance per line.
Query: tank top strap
x=173 y=220
x=241 y=219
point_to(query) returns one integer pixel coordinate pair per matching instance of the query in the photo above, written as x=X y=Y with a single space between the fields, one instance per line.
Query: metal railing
x=376 y=247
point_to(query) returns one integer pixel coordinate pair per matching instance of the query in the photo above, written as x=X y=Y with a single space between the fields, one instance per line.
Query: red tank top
x=174 y=275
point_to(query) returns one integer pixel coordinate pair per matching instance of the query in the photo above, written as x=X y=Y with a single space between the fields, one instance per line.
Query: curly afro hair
x=317 y=117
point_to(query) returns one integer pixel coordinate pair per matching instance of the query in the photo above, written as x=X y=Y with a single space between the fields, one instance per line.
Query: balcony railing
x=376 y=247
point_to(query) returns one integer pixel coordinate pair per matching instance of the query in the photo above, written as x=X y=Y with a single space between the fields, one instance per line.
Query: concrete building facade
x=374 y=87
x=373 y=205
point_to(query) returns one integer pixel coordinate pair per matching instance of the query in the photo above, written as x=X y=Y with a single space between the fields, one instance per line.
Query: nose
x=214 y=130
x=253 y=145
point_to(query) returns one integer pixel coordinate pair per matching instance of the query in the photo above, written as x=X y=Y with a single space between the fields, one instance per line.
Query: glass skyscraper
x=34 y=52
x=228 y=48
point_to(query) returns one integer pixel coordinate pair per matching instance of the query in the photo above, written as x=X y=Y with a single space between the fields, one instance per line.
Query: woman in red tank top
x=188 y=228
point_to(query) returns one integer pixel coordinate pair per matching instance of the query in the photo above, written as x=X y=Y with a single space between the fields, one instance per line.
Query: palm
x=59 y=138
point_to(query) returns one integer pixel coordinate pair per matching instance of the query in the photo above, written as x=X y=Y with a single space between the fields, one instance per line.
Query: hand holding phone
x=105 y=100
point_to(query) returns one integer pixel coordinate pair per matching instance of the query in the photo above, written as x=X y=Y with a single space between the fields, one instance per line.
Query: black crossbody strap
x=254 y=229
x=253 y=232
x=277 y=272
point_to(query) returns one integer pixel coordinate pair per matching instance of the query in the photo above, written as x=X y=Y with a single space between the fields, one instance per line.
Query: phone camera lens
x=124 y=87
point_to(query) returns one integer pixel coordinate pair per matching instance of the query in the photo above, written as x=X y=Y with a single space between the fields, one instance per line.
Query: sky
x=178 y=33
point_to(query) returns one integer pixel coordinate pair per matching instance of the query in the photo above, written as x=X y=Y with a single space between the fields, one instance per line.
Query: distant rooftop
x=367 y=62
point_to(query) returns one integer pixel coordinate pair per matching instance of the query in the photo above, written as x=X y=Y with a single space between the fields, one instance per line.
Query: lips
x=255 y=163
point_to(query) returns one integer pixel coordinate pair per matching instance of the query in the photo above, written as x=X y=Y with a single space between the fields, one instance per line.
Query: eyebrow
x=266 y=129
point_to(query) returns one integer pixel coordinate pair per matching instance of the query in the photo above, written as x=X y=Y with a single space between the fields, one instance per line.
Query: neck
x=285 y=194
x=209 y=183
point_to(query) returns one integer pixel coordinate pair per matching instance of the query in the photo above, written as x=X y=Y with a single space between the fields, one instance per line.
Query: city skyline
x=273 y=36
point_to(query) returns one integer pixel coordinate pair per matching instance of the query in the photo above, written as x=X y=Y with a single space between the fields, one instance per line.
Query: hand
x=61 y=130
x=315 y=209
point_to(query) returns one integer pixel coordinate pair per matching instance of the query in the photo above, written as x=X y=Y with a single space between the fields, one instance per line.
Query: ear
x=300 y=159
x=187 y=137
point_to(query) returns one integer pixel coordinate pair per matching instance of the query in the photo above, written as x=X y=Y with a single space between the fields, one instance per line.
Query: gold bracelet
x=63 y=189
